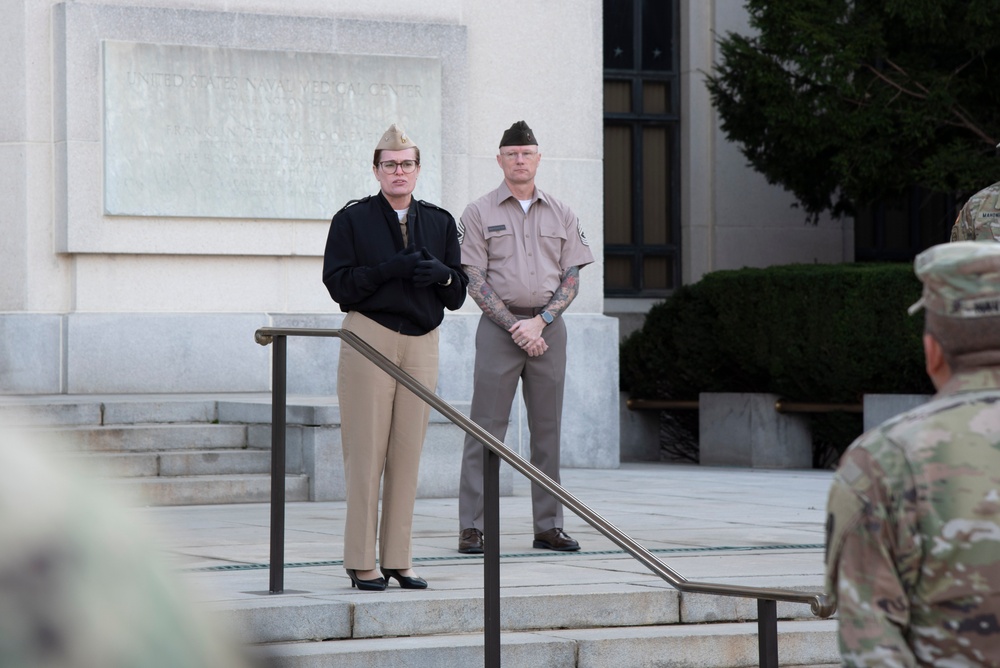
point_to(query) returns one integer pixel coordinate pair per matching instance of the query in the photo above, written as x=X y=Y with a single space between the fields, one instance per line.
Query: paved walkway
x=737 y=526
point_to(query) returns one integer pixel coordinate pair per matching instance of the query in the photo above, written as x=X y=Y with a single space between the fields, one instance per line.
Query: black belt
x=530 y=312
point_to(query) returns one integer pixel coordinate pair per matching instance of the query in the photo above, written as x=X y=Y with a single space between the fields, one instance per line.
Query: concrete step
x=115 y=465
x=208 y=489
x=158 y=450
x=75 y=410
x=347 y=614
x=633 y=622
x=17 y=412
x=151 y=432
x=150 y=437
x=724 y=645
x=180 y=463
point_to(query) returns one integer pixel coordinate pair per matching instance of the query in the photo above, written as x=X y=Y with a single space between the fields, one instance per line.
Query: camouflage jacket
x=913 y=533
x=979 y=219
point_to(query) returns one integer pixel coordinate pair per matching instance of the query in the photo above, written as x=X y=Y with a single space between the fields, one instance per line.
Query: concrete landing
x=738 y=526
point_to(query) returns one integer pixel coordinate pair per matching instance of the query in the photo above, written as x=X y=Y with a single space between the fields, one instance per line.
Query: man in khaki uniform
x=522 y=250
x=979 y=219
x=913 y=532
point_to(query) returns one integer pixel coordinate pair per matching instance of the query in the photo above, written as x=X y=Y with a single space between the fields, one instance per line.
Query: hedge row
x=817 y=333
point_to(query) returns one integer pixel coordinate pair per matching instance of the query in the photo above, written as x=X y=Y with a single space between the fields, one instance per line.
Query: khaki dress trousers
x=383 y=425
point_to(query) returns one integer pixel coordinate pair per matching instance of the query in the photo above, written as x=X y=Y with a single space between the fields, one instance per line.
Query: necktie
x=402 y=229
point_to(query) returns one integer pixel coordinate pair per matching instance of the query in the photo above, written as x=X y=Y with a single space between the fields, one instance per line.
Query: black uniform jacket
x=364 y=234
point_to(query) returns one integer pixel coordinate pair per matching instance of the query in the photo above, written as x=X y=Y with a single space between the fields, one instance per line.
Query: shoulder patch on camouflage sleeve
x=845 y=508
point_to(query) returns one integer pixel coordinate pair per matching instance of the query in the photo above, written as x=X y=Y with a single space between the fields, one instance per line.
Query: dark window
x=619 y=33
x=898 y=229
x=657 y=35
x=641 y=148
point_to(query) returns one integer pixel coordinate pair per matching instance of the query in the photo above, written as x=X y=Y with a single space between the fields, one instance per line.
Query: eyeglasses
x=389 y=166
x=513 y=155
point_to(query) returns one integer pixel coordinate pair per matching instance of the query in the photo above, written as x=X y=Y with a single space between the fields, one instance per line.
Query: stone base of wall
x=316 y=451
x=179 y=353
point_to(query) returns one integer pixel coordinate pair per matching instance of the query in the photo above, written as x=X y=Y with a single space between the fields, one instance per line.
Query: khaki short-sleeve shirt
x=524 y=254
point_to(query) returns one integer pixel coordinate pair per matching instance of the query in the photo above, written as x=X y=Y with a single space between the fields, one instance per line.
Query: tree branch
x=879 y=75
x=956 y=110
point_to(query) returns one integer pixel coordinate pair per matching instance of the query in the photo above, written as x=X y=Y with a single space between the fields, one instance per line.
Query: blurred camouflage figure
x=913 y=531
x=81 y=585
x=979 y=219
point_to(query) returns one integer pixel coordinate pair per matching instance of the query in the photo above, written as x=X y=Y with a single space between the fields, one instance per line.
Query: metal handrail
x=819 y=604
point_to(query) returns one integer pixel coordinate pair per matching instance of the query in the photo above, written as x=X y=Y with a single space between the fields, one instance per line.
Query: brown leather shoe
x=555 y=539
x=470 y=541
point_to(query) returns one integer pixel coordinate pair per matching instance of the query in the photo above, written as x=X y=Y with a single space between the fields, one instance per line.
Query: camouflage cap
x=518 y=134
x=961 y=280
x=979 y=219
x=394 y=139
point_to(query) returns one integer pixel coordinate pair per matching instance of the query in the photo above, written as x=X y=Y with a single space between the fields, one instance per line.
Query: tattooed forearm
x=482 y=293
x=566 y=292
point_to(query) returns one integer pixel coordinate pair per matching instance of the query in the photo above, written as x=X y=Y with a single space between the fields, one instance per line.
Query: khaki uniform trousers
x=500 y=363
x=382 y=429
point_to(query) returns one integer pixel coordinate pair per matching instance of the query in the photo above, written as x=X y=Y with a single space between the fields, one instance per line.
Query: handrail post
x=491 y=558
x=278 y=404
x=767 y=632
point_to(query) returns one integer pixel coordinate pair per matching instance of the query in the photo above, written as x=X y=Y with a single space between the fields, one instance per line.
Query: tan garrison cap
x=961 y=280
x=394 y=139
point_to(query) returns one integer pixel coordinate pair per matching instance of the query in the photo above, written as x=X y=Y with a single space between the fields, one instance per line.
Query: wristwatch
x=547 y=317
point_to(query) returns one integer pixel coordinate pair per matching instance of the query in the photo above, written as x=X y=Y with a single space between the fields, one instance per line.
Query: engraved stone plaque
x=194 y=131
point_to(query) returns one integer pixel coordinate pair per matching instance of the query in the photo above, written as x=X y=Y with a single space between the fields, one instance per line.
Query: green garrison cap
x=518 y=134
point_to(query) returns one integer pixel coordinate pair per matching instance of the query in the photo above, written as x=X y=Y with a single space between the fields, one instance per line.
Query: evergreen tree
x=845 y=102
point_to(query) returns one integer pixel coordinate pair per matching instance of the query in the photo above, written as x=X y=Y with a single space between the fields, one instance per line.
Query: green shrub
x=816 y=333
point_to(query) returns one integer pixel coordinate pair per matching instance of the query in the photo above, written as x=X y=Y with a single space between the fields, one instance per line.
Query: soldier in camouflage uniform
x=913 y=531
x=979 y=219
x=81 y=583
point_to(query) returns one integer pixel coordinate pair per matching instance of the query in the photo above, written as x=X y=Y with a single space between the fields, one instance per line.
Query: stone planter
x=881 y=407
x=640 y=433
x=744 y=429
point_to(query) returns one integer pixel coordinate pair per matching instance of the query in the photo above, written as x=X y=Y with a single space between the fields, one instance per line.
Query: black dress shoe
x=470 y=541
x=378 y=584
x=555 y=539
x=405 y=581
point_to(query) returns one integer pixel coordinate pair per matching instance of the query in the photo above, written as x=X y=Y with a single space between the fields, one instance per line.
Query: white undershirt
x=525 y=203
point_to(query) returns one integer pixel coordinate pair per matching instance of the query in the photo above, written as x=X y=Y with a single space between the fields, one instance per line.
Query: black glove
x=430 y=270
x=400 y=265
